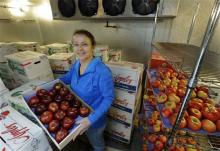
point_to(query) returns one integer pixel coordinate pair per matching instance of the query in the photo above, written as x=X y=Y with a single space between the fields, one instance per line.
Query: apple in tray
x=57 y=108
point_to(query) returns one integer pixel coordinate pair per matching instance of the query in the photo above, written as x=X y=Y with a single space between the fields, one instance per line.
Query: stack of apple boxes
x=61 y=63
x=26 y=66
x=127 y=80
x=5 y=72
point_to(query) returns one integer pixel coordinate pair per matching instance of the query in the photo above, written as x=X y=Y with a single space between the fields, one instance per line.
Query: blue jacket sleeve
x=67 y=77
x=107 y=91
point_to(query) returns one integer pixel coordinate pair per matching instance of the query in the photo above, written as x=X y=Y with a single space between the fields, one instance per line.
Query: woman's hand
x=83 y=126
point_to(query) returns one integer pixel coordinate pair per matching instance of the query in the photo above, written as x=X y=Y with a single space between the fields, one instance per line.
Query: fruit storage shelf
x=152 y=76
x=186 y=56
x=148 y=110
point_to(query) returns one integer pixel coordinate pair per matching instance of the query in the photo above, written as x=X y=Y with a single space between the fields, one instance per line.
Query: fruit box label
x=18 y=132
x=118 y=130
x=124 y=100
x=123 y=116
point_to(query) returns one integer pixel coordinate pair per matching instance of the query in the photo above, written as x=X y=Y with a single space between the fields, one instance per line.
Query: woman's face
x=82 y=47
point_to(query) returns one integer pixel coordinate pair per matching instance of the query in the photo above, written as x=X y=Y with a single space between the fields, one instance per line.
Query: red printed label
x=18 y=135
x=119 y=79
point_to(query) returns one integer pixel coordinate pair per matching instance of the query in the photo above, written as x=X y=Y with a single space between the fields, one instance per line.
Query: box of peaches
x=56 y=108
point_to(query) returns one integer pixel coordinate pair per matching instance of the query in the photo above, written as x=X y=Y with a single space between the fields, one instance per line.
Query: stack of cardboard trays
x=5 y=72
x=102 y=52
x=20 y=134
x=28 y=65
x=26 y=46
x=56 y=48
x=61 y=63
x=114 y=55
x=127 y=81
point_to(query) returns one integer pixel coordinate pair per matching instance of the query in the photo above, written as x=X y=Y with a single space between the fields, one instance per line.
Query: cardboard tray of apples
x=202 y=117
x=56 y=108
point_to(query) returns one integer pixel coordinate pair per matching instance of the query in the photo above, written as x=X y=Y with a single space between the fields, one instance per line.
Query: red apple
x=181 y=92
x=41 y=92
x=167 y=82
x=53 y=107
x=53 y=126
x=156 y=83
x=194 y=123
x=195 y=112
x=84 y=111
x=33 y=101
x=161 y=98
x=210 y=101
x=57 y=86
x=152 y=138
x=40 y=109
x=203 y=88
x=193 y=94
x=46 y=99
x=61 y=134
x=208 y=126
x=72 y=112
x=60 y=114
x=151 y=121
x=171 y=105
x=69 y=97
x=170 y=90
x=64 y=105
x=203 y=95
x=172 y=120
x=162 y=87
x=64 y=91
x=211 y=113
x=58 y=98
x=166 y=112
x=173 y=98
x=46 y=117
x=155 y=115
x=52 y=93
x=77 y=103
x=195 y=103
x=163 y=139
x=68 y=122
x=159 y=145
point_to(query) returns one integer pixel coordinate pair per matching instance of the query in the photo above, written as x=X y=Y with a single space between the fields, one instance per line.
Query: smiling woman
x=91 y=80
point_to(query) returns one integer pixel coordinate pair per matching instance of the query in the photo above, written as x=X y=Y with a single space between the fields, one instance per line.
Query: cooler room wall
x=133 y=36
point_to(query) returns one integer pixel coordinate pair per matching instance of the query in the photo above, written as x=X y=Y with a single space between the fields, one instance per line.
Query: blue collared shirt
x=95 y=86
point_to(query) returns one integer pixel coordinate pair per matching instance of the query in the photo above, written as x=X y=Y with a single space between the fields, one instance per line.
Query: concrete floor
x=111 y=145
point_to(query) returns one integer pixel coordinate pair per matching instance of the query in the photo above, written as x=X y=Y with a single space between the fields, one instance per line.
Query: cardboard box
x=15 y=98
x=29 y=65
x=70 y=46
x=57 y=48
x=48 y=86
x=127 y=76
x=3 y=102
x=61 y=61
x=3 y=146
x=42 y=49
x=6 y=49
x=26 y=46
x=119 y=131
x=102 y=52
x=114 y=55
x=121 y=116
x=20 y=134
x=124 y=100
x=7 y=76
